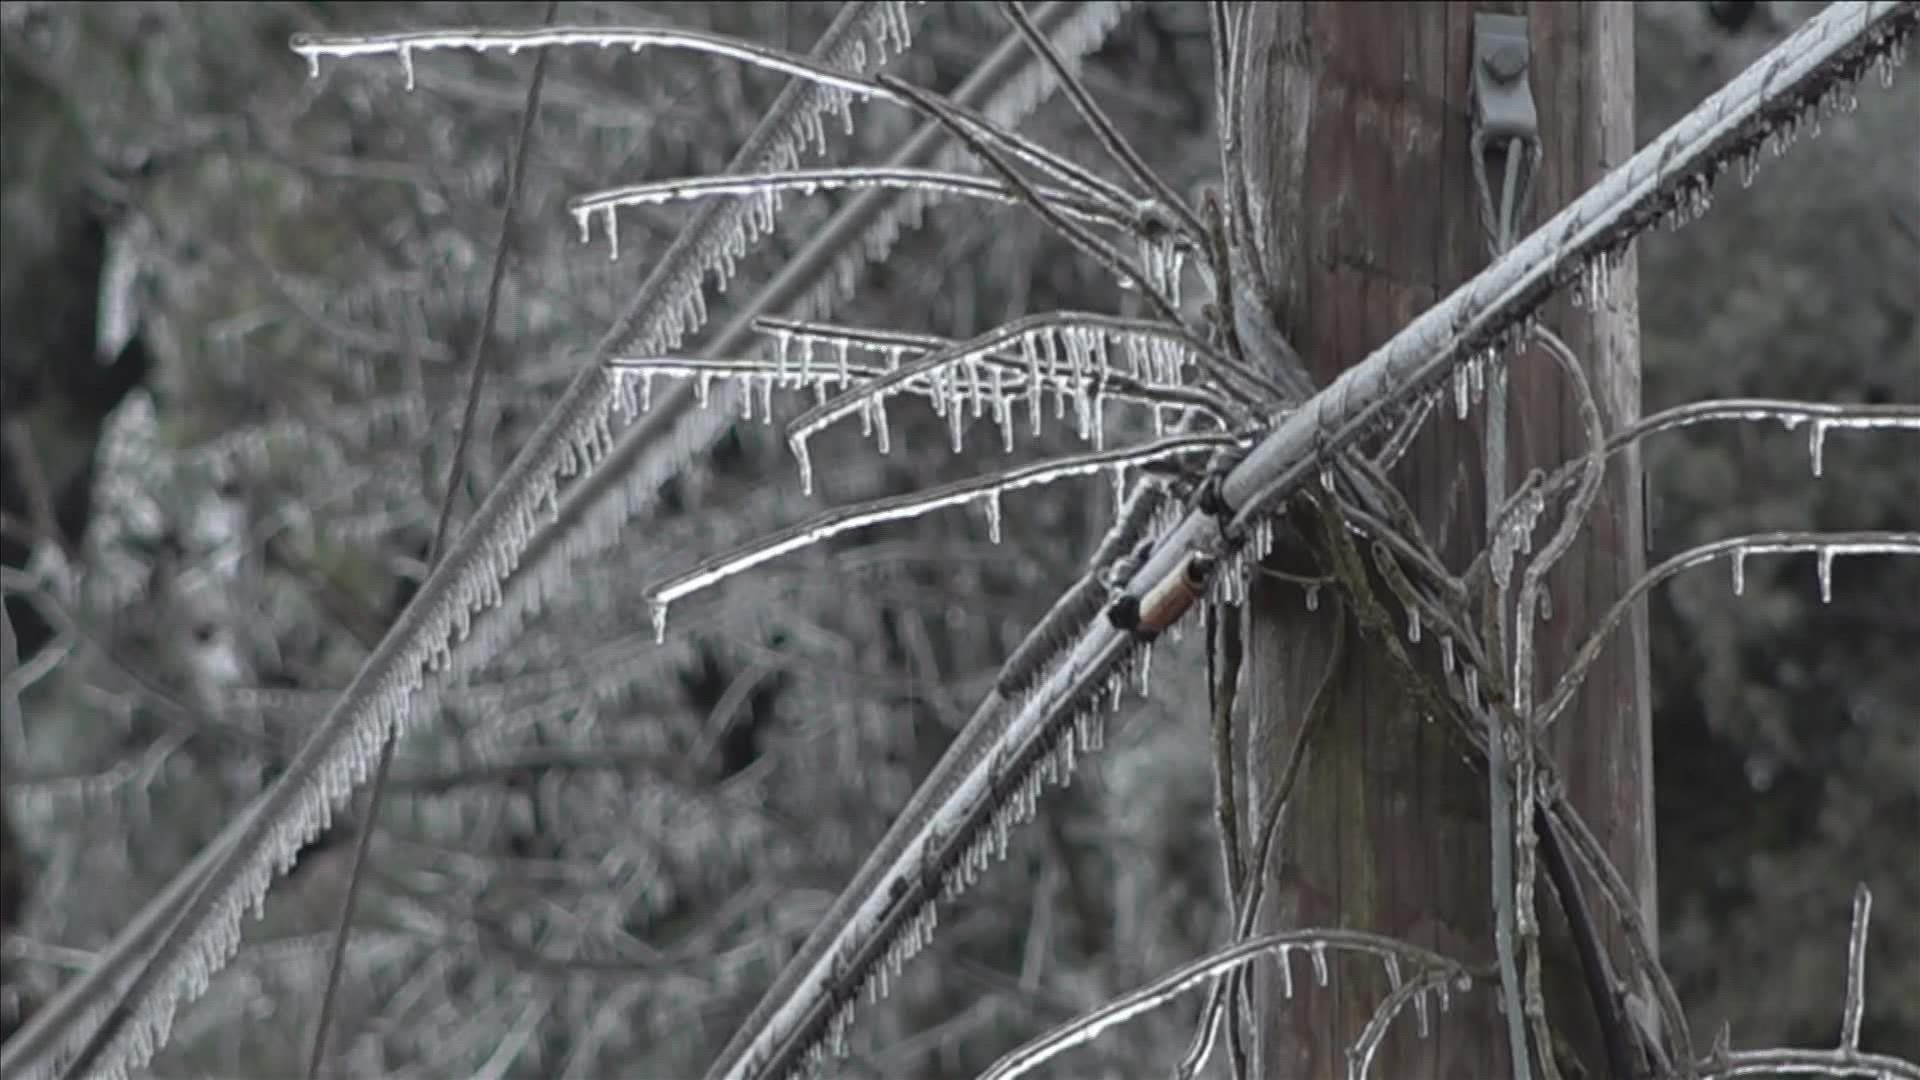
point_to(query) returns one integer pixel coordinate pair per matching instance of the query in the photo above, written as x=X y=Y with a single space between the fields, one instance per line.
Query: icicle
x=782 y=351
x=1816 y=443
x=1546 y=604
x=1393 y=971
x=1262 y=538
x=1460 y=393
x=1142 y=682
x=658 y=609
x=992 y=502
x=1739 y=571
x=881 y=433
x=406 y=65
x=1826 y=575
x=1286 y=971
x=805 y=460
x=613 y=236
x=1326 y=476
x=1470 y=676
x=1035 y=403
x=1002 y=412
x=1413 y=624
x=1313 y=598
x=1318 y=950
x=1421 y=1023
x=1446 y=653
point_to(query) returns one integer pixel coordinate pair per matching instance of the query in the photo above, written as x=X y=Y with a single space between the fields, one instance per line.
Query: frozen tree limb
x=1437 y=974
x=1845 y=1060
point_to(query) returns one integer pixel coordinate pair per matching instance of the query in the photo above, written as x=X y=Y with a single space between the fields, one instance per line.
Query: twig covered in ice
x=986 y=490
x=940 y=182
x=1845 y=1060
x=1436 y=973
x=1827 y=546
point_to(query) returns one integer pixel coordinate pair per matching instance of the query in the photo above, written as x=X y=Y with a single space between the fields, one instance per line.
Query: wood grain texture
x=1355 y=133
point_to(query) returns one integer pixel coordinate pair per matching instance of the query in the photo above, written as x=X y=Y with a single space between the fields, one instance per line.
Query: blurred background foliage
x=235 y=303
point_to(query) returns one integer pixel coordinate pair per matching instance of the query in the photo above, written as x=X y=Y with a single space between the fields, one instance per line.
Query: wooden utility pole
x=1355 y=138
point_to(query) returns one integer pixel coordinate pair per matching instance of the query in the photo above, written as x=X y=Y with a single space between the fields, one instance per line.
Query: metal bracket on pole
x=1504 y=118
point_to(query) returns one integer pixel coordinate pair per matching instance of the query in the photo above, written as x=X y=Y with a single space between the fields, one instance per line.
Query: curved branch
x=1826 y=544
x=1089 y=1025
x=403 y=45
x=856 y=178
x=1360 y=1054
x=914 y=504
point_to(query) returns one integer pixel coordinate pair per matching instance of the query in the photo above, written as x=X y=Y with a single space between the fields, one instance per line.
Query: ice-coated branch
x=1845 y=1060
x=1787 y=1062
x=1855 y=1002
x=1436 y=973
x=1790 y=415
x=1526 y=609
x=985 y=380
x=1158 y=352
x=1824 y=416
x=939 y=182
x=985 y=489
x=1360 y=1055
x=844 y=85
x=1827 y=546
x=479 y=39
